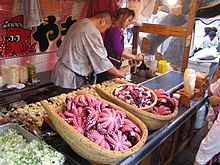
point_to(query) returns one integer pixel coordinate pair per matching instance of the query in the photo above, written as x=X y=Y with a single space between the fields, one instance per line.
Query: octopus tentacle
x=92 y=117
x=79 y=124
x=98 y=138
x=118 y=141
x=130 y=124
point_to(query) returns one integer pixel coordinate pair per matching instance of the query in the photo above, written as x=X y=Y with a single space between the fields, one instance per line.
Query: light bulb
x=171 y=2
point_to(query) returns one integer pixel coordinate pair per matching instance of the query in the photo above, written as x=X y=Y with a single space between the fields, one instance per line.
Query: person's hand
x=213 y=118
x=214 y=100
x=217 y=72
x=132 y=62
x=121 y=73
x=139 y=57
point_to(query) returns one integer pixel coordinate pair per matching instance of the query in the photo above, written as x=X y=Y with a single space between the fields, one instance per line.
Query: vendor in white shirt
x=210 y=41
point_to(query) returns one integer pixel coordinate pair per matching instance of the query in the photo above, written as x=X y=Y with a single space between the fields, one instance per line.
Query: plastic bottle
x=28 y=66
x=1 y=82
x=162 y=66
x=32 y=71
x=200 y=117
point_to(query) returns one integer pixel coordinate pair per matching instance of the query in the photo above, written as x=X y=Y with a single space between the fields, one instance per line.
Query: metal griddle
x=168 y=81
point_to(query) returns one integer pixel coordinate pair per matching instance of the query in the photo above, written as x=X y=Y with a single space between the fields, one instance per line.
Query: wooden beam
x=176 y=31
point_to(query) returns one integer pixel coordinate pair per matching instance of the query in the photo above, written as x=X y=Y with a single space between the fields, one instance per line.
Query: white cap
x=176 y=95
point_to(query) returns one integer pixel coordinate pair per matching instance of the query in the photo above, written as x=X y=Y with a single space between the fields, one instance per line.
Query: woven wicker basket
x=86 y=148
x=151 y=120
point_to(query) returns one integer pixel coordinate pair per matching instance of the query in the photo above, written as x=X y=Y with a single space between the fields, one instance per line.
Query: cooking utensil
x=143 y=66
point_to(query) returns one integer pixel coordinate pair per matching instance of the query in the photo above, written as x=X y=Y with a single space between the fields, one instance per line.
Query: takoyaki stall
x=148 y=117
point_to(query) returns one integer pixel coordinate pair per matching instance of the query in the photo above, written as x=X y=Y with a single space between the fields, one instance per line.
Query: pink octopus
x=109 y=120
x=98 y=138
x=118 y=141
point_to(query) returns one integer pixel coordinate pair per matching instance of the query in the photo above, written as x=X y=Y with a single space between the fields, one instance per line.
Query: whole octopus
x=165 y=104
x=100 y=122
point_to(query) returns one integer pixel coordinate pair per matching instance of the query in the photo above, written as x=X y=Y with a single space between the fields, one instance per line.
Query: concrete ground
x=187 y=156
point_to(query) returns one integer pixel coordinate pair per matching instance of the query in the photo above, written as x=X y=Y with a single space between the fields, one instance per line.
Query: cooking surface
x=168 y=81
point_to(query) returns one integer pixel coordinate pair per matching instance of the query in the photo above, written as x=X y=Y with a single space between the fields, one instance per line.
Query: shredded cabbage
x=15 y=150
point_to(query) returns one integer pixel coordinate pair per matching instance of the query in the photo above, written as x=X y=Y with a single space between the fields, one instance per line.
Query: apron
x=116 y=60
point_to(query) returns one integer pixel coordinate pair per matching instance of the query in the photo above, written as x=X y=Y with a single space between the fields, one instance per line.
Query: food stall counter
x=170 y=82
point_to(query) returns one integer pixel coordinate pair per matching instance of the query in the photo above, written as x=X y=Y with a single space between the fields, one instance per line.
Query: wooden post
x=135 y=45
x=177 y=31
x=191 y=18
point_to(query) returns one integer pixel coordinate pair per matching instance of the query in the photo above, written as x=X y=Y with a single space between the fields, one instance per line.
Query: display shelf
x=28 y=91
x=44 y=78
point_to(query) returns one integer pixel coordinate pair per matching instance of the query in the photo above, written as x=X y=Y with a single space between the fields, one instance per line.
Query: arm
x=216 y=41
x=214 y=100
x=127 y=55
x=204 y=43
x=210 y=144
x=216 y=75
x=214 y=79
x=114 y=71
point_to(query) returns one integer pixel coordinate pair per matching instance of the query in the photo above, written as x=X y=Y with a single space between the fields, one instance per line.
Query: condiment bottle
x=28 y=66
x=162 y=66
x=31 y=69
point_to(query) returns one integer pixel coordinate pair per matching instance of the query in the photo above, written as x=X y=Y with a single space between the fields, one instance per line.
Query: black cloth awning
x=208 y=8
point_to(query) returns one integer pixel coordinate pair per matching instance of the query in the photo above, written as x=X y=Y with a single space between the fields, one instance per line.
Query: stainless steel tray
x=27 y=135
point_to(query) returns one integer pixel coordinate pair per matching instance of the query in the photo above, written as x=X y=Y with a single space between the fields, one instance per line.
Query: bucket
x=200 y=117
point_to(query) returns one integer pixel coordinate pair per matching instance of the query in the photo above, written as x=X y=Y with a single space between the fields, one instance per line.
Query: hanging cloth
x=149 y=9
x=103 y=5
x=32 y=13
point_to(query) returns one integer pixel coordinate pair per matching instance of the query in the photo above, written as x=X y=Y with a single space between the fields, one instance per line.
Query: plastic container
x=1 y=82
x=153 y=68
x=189 y=81
x=162 y=66
x=200 y=117
x=10 y=74
x=23 y=75
x=31 y=70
